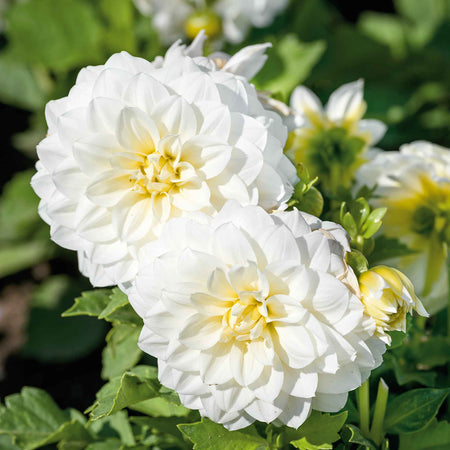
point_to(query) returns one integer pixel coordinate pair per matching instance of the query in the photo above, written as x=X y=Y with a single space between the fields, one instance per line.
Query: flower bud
x=203 y=20
x=388 y=296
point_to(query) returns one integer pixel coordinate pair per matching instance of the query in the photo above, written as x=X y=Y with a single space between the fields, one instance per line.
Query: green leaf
x=386 y=29
x=436 y=436
x=413 y=410
x=160 y=407
x=6 y=443
x=319 y=431
x=348 y=222
x=18 y=207
x=121 y=352
x=120 y=33
x=70 y=338
x=111 y=305
x=352 y=434
x=432 y=351
x=18 y=85
x=360 y=210
x=19 y=257
x=207 y=435
x=91 y=303
x=131 y=388
x=373 y=222
x=397 y=338
x=119 y=310
x=387 y=248
x=59 y=35
x=290 y=63
x=35 y=420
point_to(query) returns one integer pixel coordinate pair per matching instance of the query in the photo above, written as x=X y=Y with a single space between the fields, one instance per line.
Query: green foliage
x=319 y=431
x=126 y=390
x=70 y=338
x=436 y=436
x=291 y=63
x=23 y=236
x=413 y=410
x=353 y=435
x=306 y=197
x=57 y=35
x=121 y=351
x=109 y=304
x=35 y=420
x=207 y=435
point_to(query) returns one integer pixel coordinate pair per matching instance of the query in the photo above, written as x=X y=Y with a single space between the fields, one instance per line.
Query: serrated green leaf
x=413 y=410
x=436 y=436
x=35 y=420
x=91 y=303
x=319 y=431
x=124 y=391
x=291 y=62
x=352 y=434
x=119 y=310
x=207 y=435
x=121 y=352
x=59 y=35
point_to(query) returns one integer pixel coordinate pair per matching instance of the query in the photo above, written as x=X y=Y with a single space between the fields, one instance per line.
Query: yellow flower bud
x=203 y=20
x=388 y=296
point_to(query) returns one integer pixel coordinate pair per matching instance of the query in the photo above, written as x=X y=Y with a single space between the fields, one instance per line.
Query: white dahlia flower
x=253 y=316
x=414 y=184
x=332 y=140
x=136 y=143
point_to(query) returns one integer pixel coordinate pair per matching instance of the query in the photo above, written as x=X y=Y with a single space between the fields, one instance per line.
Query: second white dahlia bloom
x=135 y=144
x=414 y=184
x=254 y=316
x=332 y=140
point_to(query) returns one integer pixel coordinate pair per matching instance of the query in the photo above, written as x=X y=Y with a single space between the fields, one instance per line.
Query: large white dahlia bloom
x=414 y=184
x=254 y=316
x=135 y=144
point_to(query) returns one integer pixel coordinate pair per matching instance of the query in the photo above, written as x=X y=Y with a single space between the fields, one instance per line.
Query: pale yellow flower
x=388 y=296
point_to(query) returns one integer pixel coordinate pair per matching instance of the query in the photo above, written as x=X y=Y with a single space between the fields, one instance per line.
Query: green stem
x=377 y=432
x=364 y=409
x=448 y=320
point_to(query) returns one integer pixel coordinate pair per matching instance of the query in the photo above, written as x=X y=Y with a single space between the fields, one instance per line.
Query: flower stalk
x=376 y=431
x=364 y=408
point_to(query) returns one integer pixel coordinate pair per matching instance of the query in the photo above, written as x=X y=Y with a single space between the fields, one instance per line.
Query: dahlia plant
x=263 y=267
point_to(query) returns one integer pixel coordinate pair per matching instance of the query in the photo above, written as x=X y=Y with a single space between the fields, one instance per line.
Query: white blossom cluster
x=169 y=179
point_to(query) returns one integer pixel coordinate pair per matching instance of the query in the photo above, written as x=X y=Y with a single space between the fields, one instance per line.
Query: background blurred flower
x=248 y=316
x=135 y=144
x=332 y=141
x=388 y=296
x=233 y=18
x=415 y=186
